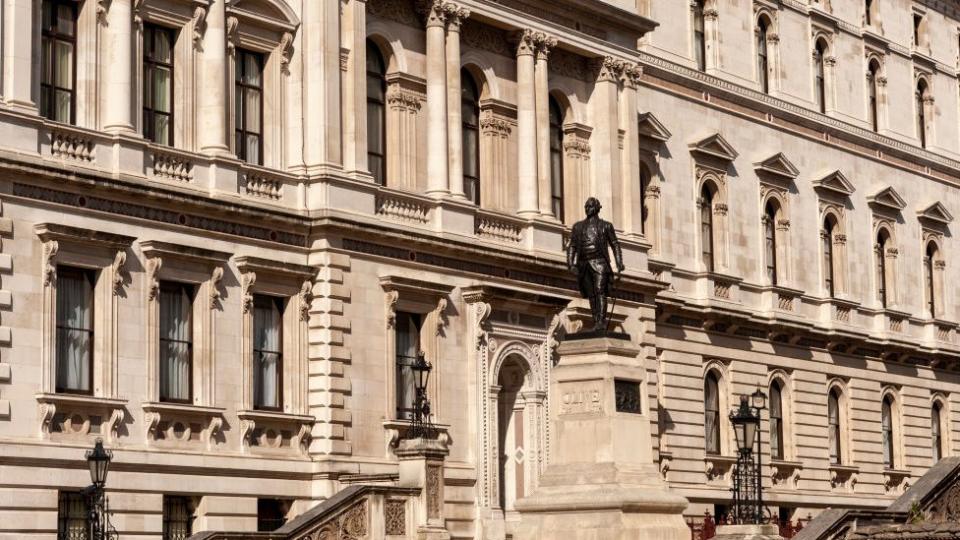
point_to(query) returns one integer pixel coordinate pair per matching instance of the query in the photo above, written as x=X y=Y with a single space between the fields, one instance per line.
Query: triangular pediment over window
x=651 y=128
x=936 y=212
x=836 y=182
x=888 y=198
x=715 y=146
x=778 y=165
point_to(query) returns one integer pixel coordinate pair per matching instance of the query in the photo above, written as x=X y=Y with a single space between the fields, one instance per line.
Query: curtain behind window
x=74 y=330
x=72 y=517
x=833 y=418
x=776 y=422
x=266 y=353
x=711 y=417
x=408 y=345
x=176 y=342
x=886 y=422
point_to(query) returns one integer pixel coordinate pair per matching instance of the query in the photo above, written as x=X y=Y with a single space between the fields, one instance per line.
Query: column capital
x=455 y=15
x=631 y=75
x=526 y=42
x=544 y=43
x=607 y=68
x=433 y=12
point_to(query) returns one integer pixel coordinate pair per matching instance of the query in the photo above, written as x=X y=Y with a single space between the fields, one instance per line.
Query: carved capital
x=455 y=15
x=492 y=125
x=840 y=239
x=401 y=99
x=544 y=44
x=939 y=265
x=433 y=12
x=526 y=42
x=632 y=73
x=607 y=69
x=720 y=209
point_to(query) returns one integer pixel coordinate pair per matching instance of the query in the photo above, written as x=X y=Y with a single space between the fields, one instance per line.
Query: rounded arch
x=275 y=9
x=838 y=434
x=884 y=230
x=940 y=426
x=711 y=187
x=564 y=101
x=716 y=373
x=923 y=86
x=874 y=65
x=765 y=20
x=779 y=380
x=484 y=77
x=526 y=357
x=391 y=48
x=931 y=248
x=776 y=202
x=822 y=44
x=832 y=219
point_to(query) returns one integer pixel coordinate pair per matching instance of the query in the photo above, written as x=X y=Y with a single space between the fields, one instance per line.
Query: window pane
x=161 y=89
x=251 y=103
x=46 y=75
x=162 y=46
x=251 y=69
x=161 y=129
x=176 y=342
x=177 y=518
x=267 y=352
x=375 y=128
x=64 y=64
x=407 y=339
x=72 y=517
x=62 y=106
x=65 y=23
x=74 y=330
x=253 y=149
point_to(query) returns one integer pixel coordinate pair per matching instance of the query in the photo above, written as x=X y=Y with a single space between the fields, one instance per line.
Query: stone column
x=631 y=208
x=354 y=83
x=605 y=140
x=403 y=108
x=542 y=99
x=321 y=84
x=527 y=126
x=437 y=164
x=117 y=80
x=212 y=109
x=19 y=18
x=455 y=16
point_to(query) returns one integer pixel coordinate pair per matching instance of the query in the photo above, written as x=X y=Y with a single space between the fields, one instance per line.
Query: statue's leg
x=599 y=292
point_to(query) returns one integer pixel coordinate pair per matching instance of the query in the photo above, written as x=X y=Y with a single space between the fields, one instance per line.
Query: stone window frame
x=770 y=14
x=896 y=424
x=725 y=390
x=920 y=34
x=272 y=35
x=711 y=34
x=72 y=415
x=839 y=257
x=652 y=137
x=878 y=80
x=106 y=254
x=717 y=181
x=780 y=197
x=86 y=62
x=939 y=270
x=872 y=16
x=924 y=103
x=186 y=18
x=785 y=472
x=293 y=283
x=430 y=300
x=887 y=226
x=826 y=37
x=946 y=433
x=842 y=388
x=204 y=269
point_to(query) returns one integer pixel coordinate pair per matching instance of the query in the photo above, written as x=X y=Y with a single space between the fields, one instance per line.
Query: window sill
x=72 y=415
x=785 y=473
x=275 y=431
x=274 y=416
x=718 y=466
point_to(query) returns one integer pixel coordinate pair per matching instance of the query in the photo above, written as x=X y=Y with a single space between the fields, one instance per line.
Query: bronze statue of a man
x=588 y=256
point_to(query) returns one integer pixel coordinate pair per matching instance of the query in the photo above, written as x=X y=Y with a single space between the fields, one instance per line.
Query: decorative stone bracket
x=843 y=476
x=894 y=480
x=66 y=416
x=785 y=474
x=182 y=425
x=718 y=468
x=275 y=431
x=666 y=459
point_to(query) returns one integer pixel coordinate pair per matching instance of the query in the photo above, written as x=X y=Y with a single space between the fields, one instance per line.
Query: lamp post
x=98 y=518
x=421 y=405
x=748 y=480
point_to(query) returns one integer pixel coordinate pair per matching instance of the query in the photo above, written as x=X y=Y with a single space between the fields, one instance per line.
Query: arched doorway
x=512 y=418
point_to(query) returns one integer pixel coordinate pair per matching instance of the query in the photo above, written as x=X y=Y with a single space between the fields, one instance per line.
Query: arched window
x=770 y=241
x=829 y=228
x=880 y=251
x=556 y=158
x=833 y=427
x=699 y=35
x=873 y=111
x=886 y=429
x=644 y=186
x=470 y=115
x=928 y=278
x=376 y=114
x=921 y=94
x=918 y=30
x=762 y=64
x=776 y=420
x=711 y=413
x=706 y=226
x=819 y=80
x=936 y=417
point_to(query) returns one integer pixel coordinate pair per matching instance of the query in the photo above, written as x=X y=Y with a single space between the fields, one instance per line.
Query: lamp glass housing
x=98 y=460
x=758 y=399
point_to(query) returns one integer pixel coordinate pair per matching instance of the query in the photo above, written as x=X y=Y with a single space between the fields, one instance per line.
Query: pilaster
x=542 y=99
x=354 y=86
x=455 y=16
x=606 y=133
x=212 y=91
x=527 y=125
x=631 y=208
x=437 y=141
x=320 y=38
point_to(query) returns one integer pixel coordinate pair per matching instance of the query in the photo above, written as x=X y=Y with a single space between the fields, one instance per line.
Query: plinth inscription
x=576 y=398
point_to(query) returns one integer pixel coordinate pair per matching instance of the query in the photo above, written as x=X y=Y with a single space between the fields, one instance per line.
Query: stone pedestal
x=421 y=466
x=601 y=481
x=748 y=532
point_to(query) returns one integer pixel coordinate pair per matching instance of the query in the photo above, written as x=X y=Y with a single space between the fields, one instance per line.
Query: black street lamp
x=421 y=405
x=748 y=480
x=98 y=512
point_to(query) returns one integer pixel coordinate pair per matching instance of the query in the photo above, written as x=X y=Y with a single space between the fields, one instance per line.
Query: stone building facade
x=226 y=225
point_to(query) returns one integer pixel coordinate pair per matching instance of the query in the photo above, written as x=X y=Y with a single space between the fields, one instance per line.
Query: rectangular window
x=699 y=37
x=75 y=330
x=249 y=106
x=833 y=432
x=158 y=84
x=271 y=514
x=408 y=347
x=267 y=352
x=72 y=516
x=177 y=518
x=176 y=342
x=58 y=60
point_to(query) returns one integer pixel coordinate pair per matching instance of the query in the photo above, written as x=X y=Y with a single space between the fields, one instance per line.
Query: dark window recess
x=271 y=514
x=627 y=395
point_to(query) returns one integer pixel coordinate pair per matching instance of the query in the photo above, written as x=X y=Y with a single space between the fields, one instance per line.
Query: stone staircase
x=359 y=512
